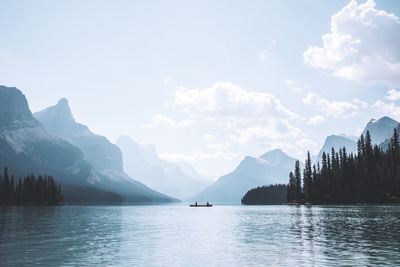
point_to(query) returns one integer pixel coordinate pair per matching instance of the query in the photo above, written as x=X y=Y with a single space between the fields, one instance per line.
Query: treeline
x=41 y=190
x=372 y=175
x=266 y=195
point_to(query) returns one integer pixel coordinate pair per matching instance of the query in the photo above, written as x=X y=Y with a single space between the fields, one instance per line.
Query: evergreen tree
x=30 y=190
x=297 y=177
x=370 y=176
x=307 y=177
x=291 y=192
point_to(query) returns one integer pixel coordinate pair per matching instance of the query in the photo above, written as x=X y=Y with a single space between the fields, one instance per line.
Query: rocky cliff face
x=104 y=157
x=381 y=129
x=14 y=110
x=26 y=147
x=98 y=151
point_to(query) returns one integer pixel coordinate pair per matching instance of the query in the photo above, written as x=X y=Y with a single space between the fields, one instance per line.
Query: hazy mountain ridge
x=337 y=142
x=381 y=129
x=253 y=172
x=104 y=157
x=142 y=162
x=25 y=136
x=26 y=147
x=385 y=144
x=270 y=168
x=59 y=121
x=56 y=144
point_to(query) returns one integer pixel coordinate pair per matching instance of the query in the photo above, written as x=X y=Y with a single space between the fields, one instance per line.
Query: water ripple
x=181 y=236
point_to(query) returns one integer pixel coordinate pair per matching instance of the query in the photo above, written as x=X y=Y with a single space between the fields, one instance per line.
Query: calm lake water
x=183 y=236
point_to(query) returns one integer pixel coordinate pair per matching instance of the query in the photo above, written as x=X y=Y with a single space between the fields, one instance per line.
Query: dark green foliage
x=307 y=177
x=295 y=191
x=292 y=188
x=42 y=190
x=297 y=179
x=370 y=176
x=266 y=195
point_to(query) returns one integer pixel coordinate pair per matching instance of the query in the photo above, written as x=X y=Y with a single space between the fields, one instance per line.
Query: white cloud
x=264 y=55
x=271 y=131
x=198 y=156
x=274 y=133
x=337 y=109
x=362 y=45
x=393 y=95
x=389 y=109
x=357 y=133
x=220 y=147
x=360 y=103
x=160 y=120
x=245 y=120
x=209 y=138
x=291 y=85
x=317 y=119
x=225 y=99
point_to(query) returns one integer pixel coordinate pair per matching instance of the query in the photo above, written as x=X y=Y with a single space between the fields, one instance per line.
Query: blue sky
x=208 y=82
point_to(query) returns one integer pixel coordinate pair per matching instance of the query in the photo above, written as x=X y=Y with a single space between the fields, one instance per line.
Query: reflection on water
x=183 y=236
x=55 y=235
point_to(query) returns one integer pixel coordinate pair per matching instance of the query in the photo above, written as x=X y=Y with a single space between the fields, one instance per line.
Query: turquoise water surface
x=177 y=235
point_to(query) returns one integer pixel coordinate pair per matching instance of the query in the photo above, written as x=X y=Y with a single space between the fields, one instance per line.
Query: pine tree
x=307 y=177
x=30 y=190
x=297 y=177
x=370 y=176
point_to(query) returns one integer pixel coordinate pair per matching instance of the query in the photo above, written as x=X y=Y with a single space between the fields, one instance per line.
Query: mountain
x=59 y=121
x=104 y=157
x=142 y=162
x=380 y=130
x=26 y=147
x=270 y=168
x=191 y=172
x=385 y=144
x=337 y=141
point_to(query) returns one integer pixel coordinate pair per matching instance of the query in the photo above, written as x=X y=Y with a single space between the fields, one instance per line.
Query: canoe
x=200 y=206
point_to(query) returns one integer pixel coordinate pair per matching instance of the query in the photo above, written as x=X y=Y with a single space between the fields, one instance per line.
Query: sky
x=208 y=82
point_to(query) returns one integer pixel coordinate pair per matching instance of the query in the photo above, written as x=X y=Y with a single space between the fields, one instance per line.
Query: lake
x=176 y=235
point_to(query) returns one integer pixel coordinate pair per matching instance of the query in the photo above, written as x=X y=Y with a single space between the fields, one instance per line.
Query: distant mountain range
x=66 y=150
x=104 y=157
x=142 y=162
x=381 y=129
x=26 y=147
x=385 y=145
x=274 y=166
x=59 y=121
x=91 y=168
x=270 y=168
x=337 y=142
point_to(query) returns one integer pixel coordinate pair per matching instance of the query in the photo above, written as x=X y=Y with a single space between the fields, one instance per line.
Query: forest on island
x=266 y=195
x=31 y=190
x=372 y=175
